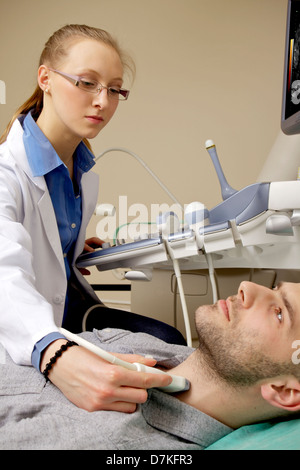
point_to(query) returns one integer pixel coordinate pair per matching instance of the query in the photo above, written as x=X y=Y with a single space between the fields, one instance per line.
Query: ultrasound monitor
x=290 y=119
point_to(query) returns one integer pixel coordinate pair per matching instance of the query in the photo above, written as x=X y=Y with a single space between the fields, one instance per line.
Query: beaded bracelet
x=53 y=359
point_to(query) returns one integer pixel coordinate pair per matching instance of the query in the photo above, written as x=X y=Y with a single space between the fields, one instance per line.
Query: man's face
x=243 y=338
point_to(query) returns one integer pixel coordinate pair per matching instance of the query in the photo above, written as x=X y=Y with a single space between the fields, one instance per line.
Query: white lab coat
x=33 y=280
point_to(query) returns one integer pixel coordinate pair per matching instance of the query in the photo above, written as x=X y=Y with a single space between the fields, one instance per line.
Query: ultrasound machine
x=257 y=227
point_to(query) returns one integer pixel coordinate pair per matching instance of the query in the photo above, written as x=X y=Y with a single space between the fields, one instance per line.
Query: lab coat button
x=58 y=299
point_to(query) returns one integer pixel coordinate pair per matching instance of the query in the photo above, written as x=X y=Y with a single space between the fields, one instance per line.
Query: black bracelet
x=56 y=356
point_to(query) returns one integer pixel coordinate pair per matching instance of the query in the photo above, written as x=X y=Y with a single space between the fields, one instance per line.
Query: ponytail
x=35 y=103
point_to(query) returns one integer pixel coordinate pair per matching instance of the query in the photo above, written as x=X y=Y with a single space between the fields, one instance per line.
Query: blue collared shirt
x=65 y=195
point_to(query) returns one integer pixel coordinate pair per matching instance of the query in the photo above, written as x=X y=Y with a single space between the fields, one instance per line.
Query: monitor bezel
x=289 y=125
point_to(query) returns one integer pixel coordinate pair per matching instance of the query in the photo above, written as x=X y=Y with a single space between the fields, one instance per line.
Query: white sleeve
x=25 y=315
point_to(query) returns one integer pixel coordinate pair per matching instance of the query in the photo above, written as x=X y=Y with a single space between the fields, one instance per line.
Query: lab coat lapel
x=89 y=186
x=49 y=221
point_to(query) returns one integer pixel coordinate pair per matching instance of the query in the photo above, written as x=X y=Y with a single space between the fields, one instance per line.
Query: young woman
x=47 y=196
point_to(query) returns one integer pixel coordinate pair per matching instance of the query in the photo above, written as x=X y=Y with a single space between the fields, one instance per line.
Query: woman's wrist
x=56 y=356
x=50 y=351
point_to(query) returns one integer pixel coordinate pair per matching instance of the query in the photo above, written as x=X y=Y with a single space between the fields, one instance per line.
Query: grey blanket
x=36 y=415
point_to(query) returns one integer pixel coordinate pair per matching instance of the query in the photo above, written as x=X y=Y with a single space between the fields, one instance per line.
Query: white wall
x=205 y=69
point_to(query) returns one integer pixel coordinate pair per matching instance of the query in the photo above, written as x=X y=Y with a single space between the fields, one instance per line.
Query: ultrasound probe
x=178 y=384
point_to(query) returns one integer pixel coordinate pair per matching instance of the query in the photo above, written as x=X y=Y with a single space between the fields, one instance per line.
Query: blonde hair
x=56 y=48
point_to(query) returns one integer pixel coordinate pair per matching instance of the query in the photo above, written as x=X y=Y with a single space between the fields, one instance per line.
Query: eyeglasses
x=92 y=86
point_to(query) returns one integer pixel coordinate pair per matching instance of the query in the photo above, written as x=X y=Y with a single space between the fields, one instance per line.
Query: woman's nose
x=101 y=99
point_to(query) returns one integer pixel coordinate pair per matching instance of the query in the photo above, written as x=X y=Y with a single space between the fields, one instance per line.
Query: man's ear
x=283 y=393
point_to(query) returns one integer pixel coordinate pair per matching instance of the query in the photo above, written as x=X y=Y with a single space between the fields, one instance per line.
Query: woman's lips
x=94 y=119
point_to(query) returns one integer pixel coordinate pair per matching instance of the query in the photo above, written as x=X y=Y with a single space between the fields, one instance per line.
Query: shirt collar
x=167 y=413
x=42 y=156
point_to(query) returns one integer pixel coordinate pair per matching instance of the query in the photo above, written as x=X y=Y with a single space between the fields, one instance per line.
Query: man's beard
x=232 y=355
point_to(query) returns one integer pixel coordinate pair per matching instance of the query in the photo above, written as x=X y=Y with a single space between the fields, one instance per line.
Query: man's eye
x=278 y=312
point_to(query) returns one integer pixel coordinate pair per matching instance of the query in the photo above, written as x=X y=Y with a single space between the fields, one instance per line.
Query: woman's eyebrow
x=92 y=71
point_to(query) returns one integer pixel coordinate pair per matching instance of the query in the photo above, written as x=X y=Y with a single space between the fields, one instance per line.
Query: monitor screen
x=290 y=119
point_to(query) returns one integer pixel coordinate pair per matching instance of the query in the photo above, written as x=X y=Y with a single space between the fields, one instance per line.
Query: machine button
x=279 y=224
x=106 y=245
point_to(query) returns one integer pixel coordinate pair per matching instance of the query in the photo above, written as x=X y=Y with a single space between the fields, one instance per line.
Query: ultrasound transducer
x=178 y=384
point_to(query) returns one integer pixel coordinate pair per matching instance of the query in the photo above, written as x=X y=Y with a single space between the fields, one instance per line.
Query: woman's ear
x=283 y=393
x=43 y=78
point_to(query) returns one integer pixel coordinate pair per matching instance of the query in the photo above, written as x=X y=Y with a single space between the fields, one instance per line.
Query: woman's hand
x=94 y=384
x=90 y=245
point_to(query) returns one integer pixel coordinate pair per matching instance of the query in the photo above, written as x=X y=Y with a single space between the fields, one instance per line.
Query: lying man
x=241 y=373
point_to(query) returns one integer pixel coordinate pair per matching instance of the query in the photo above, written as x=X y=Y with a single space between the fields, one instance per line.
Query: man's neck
x=230 y=406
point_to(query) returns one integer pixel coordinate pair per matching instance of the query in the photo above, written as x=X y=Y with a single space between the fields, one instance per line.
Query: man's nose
x=249 y=292
x=246 y=293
